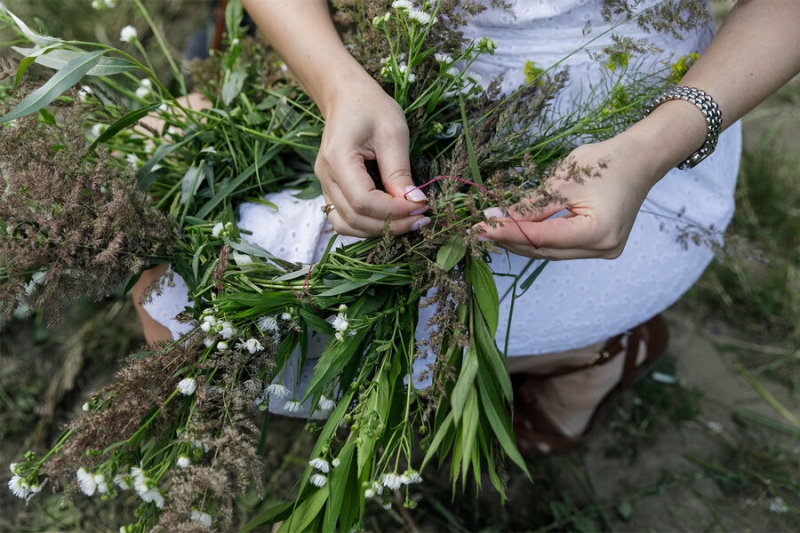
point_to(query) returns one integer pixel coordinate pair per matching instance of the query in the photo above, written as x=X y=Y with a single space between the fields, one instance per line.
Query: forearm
x=755 y=52
x=302 y=32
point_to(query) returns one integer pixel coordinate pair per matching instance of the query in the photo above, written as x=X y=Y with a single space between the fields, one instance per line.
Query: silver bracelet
x=710 y=111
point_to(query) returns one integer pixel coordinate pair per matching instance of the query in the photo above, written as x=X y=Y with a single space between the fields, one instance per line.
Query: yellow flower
x=618 y=59
x=532 y=72
x=682 y=65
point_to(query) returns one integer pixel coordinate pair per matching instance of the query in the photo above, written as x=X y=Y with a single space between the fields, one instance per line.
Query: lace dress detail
x=573 y=303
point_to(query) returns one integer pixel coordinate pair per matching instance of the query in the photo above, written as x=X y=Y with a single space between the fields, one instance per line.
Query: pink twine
x=482 y=188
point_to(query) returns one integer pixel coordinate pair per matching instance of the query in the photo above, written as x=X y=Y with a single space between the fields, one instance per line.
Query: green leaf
x=357 y=284
x=55 y=86
x=191 y=182
x=58 y=59
x=339 y=479
x=464 y=384
x=525 y=285
x=451 y=252
x=625 y=510
x=469 y=428
x=233 y=86
x=128 y=119
x=484 y=291
x=440 y=434
x=30 y=57
x=42 y=40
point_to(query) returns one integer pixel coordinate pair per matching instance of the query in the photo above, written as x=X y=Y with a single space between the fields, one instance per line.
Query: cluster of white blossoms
x=418 y=15
x=91 y=483
x=212 y=324
x=320 y=479
x=145 y=488
x=19 y=486
x=128 y=34
x=340 y=323
x=394 y=481
x=201 y=517
x=145 y=88
x=221 y=230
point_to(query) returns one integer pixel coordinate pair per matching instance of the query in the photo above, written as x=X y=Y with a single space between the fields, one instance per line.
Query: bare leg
x=154 y=331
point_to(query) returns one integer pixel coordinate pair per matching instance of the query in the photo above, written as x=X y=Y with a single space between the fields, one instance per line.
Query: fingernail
x=483 y=237
x=413 y=194
x=494 y=212
x=421 y=223
x=419 y=211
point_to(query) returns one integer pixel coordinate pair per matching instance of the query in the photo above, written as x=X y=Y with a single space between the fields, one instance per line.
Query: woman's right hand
x=364 y=124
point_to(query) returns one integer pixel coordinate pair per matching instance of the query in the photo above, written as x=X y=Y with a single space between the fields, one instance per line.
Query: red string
x=482 y=188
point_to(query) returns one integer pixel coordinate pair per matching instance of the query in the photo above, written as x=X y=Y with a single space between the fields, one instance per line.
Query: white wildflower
x=474 y=77
x=19 y=487
x=100 y=481
x=253 y=346
x=183 y=462
x=203 y=518
x=336 y=462
x=778 y=506
x=391 y=481
x=97 y=4
x=84 y=92
x=377 y=487
x=320 y=464
x=276 y=390
x=110 y=4
x=340 y=322
x=453 y=72
x=222 y=346
x=154 y=496
x=187 y=386
x=226 y=330
x=267 y=323
x=411 y=477
x=208 y=323
x=13 y=468
x=208 y=341
x=293 y=406
x=369 y=493
x=132 y=160
x=286 y=315
x=387 y=505
x=146 y=83
x=85 y=407
x=318 y=480
x=420 y=16
x=124 y=481
x=402 y=4
x=86 y=481
x=97 y=130
x=443 y=58
x=326 y=404
x=128 y=34
x=142 y=92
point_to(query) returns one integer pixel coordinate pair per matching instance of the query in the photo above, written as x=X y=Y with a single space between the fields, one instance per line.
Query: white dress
x=573 y=303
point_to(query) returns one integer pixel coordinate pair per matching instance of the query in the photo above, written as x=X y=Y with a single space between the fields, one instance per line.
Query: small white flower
x=84 y=92
x=320 y=464
x=474 y=77
x=292 y=406
x=86 y=481
x=377 y=487
x=253 y=346
x=226 y=330
x=203 y=518
x=13 y=468
x=286 y=315
x=187 y=386
x=402 y=4
x=411 y=476
x=128 y=34
x=318 y=480
x=222 y=346
x=132 y=160
x=369 y=493
x=443 y=58
x=85 y=407
x=208 y=341
x=110 y=4
x=142 y=92
x=19 y=487
x=453 y=72
x=391 y=481
x=146 y=83
x=340 y=322
x=153 y=495
x=778 y=506
x=97 y=4
x=217 y=230
x=124 y=481
x=183 y=462
x=387 y=505
x=336 y=462
x=267 y=323
x=97 y=130
x=420 y=16
x=276 y=390
x=326 y=404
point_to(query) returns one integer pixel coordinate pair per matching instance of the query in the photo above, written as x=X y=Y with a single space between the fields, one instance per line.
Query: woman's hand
x=600 y=187
x=364 y=124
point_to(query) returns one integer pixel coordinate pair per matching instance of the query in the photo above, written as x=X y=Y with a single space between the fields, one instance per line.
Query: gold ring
x=327 y=208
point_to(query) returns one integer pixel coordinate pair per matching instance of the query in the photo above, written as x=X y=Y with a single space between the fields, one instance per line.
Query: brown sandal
x=538 y=435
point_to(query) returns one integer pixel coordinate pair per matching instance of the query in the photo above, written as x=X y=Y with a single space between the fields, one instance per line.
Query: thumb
x=395 y=170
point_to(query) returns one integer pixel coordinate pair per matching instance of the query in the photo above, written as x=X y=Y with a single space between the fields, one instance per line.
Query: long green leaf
x=42 y=40
x=58 y=59
x=55 y=86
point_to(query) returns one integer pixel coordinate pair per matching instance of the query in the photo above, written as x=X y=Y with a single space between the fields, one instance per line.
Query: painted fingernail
x=421 y=223
x=414 y=194
x=419 y=211
x=494 y=212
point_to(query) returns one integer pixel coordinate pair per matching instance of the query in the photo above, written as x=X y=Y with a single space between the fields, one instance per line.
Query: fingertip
x=414 y=194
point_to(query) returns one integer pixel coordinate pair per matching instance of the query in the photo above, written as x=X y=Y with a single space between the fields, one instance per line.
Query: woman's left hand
x=600 y=187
